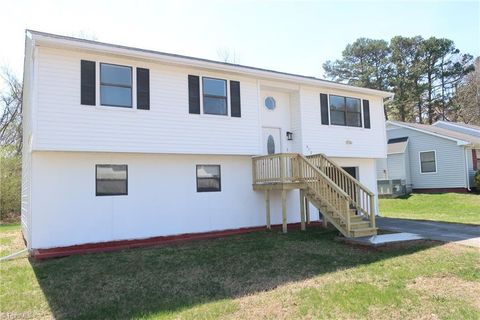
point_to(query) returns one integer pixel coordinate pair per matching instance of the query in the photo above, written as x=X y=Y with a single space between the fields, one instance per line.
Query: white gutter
x=466 y=169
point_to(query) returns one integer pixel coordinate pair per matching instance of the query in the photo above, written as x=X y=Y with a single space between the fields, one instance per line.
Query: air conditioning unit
x=394 y=187
x=399 y=187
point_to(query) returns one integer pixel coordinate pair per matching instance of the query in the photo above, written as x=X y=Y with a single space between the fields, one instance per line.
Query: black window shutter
x=235 y=99
x=143 y=89
x=87 y=80
x=324 y=108
x=194 y=94
x=366 y=114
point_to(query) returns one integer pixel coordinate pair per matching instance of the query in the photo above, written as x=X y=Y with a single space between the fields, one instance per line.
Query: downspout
x=466 y=169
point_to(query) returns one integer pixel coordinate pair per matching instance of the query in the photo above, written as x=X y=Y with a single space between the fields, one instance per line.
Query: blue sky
x=290 y=36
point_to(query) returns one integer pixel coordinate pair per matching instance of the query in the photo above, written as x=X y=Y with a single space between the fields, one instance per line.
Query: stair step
x=356 y=219
x=359 y=225
x=364 y=232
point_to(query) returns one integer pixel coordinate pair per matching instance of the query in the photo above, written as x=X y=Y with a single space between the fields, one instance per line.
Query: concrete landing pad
x=383 y=239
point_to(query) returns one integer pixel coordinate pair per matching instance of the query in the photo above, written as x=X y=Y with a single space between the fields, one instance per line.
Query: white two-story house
x=123 y=143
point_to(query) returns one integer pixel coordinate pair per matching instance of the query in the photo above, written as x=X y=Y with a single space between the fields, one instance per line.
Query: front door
x=271 y=141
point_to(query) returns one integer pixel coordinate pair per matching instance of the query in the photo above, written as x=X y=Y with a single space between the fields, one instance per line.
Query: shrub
x=10 y=184
x=477 y=179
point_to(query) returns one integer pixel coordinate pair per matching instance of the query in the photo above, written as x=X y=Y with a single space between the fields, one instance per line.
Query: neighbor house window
x=115 y=85
x=208 y=178
x=345 y=111
x=214 y=96
x=111 y=179
x=428 y=162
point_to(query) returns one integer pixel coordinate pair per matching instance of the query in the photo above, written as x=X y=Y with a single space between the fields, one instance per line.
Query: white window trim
x=98 y=104
x=420 y=161
x=209 y=115
x=362 y=127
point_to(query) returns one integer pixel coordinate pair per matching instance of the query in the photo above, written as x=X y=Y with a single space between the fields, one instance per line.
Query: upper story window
x=428 y=162
x=345 y=111
x=115 y=85
x=214 y=96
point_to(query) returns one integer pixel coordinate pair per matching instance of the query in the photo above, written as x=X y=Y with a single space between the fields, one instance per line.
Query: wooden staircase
x=343 y=201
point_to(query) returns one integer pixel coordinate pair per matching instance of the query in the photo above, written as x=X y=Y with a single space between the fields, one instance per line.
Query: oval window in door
x=270 y=145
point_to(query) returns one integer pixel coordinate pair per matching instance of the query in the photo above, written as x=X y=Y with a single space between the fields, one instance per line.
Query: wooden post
x=307 y=210
x=284 y=211
x=372 y=211
x=267 y=208
x=282 y=168
x=302 y=210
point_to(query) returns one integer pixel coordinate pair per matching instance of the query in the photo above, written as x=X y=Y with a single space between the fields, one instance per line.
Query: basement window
x=208 y=178
x=111 y=179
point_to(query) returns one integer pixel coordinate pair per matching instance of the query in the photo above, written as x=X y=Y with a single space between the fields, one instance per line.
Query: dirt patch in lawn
x=449 y=287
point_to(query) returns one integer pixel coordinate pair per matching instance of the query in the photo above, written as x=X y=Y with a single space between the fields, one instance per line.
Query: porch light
x=289 y=135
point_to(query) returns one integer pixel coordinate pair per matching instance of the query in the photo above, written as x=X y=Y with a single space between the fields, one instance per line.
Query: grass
x=262 y=275
x=447 y=207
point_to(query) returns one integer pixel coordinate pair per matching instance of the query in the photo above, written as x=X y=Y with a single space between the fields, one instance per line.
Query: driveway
x=441 y=231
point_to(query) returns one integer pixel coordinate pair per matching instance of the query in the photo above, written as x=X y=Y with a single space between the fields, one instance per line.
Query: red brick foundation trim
x=440 y=190
x=41 y=254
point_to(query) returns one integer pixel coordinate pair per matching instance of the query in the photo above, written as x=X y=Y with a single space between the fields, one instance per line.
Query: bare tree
x=11 y=110
x=466 y=101
x=228 y=55
x=84 y=34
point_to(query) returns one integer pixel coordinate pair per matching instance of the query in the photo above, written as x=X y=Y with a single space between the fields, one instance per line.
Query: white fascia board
x=173 y=59
x=458 y=141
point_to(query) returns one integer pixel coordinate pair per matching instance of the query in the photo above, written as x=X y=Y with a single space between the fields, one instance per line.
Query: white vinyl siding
x=396 y=166
x=341 y=141
x=64 y=124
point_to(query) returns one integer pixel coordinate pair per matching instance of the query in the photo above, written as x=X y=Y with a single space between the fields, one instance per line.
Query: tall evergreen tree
x=364 y=63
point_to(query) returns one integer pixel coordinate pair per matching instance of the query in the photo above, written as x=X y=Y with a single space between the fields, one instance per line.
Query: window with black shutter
x=235 y=99
x=366 y=114
x=345 y=111
x=87 y=75
x=115 y=85
x=194 y=94
x=143 y=89
x=324 y=108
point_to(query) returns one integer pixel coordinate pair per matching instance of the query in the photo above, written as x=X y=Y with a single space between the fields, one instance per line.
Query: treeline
x=10 y=146
x=432 y=80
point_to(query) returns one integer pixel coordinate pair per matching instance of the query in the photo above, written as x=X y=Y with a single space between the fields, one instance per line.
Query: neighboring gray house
x=429 y=158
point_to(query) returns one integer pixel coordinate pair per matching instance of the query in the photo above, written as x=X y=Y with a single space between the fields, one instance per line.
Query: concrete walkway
x=450 y=232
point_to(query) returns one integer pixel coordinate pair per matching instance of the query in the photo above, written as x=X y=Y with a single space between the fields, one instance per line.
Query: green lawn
x=448 y=207
x=262 y=275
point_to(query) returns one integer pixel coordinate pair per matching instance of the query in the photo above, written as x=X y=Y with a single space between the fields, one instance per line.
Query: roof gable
x=460 y=138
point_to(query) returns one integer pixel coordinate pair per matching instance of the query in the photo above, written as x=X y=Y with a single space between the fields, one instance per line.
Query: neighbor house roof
x=459 y=127
x=460 y=124
x=460 y=138
x=90 y=45
x=397 y=145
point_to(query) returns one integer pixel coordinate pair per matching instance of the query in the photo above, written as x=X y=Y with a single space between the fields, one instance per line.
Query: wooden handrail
x=314 y=157
x=336 y=199
x=361 y=198
x=322 y=177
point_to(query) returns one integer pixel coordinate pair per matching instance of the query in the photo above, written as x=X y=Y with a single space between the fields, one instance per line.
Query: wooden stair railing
x=326 y=194
x=361 y=198
x=327 y=186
